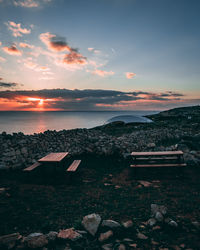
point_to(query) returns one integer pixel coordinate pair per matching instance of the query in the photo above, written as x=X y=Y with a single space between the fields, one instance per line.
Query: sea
x=29 y=122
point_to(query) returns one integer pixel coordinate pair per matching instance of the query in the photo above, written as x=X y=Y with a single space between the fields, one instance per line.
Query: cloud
x=30 y=64
x=74 y=58
x=12 y=50
x=25 y=45
x=94 y=99
x=30 y=3
x=54 y=43
x=2 y=59
x=130 y=75
x=95 y=51
x=103 y=73
x=8 y=84
x=71 y=60
x=16 y=29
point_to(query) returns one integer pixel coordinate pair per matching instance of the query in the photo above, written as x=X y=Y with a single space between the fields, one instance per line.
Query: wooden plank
x=158 y=165
x=73 y=167
x=157 y=153
x=35 y=165
x=54 y=157
x=156 y=158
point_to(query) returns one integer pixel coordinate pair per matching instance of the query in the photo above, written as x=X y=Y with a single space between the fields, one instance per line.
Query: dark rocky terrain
x=104 y=184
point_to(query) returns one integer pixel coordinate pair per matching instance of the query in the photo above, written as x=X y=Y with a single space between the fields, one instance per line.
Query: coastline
x=36 y=208
x=171 y=130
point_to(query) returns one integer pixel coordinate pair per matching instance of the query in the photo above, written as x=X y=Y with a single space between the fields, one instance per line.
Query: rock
x=35 y=240
x=159 y=217
x=142 y=236
x=127 y=240
x=24 y=150
x=145 y=183
x=156 y=228
x=121 y=247
x=151 y=145
x=91 y=223
x=69 y=234
x=153 y=242
x=163 y=210
x=128 y=224
x=9 y=241
x=173 y=223
x=81 y=232
x=105 y=236
x=152 y=222
x=190 y=159
x=154 y=209
x=110 y=224
x=51 y=236
x=107 y=246
x=196 y=224
x=133 y=245
x=2 y=190
x=34 y=235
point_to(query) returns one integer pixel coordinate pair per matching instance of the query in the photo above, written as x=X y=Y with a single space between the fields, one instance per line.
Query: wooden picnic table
x=53 y=157
x=55 y=160
x=158 y=159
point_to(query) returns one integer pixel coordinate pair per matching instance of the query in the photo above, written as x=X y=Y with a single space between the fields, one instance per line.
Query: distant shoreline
x=173 y=129
x=30 y=122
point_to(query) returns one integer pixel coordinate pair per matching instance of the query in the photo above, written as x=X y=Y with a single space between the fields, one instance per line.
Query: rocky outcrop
x=128 y=236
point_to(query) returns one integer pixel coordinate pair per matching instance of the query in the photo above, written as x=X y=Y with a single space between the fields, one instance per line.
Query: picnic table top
x=157 y=153
x=54 y=157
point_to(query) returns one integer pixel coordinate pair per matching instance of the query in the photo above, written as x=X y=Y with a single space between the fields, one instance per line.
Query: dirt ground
x=37 y=202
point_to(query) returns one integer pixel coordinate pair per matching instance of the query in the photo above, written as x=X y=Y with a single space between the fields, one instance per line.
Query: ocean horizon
x=30 y=122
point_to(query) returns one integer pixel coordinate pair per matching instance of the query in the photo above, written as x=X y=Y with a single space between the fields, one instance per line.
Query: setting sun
x=39 y=101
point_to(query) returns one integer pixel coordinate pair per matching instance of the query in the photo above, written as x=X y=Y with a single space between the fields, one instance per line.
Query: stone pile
x=95 y=233
x=18 y=150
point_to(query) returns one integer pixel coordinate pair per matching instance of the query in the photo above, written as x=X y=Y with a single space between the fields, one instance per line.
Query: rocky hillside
x=171 y=130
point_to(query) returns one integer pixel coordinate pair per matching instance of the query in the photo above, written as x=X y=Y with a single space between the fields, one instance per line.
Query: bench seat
x=35 y=165
x=73 y=167
x=157 y=159
x=158 y=165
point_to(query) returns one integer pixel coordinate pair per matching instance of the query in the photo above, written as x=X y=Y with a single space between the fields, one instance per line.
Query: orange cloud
x=29 y=3
x=26 y=45
x=26 y=3
x=54 y=43
x=27 y=103
x=130 y=75
x=16 y=29
x=12 y=50
x=103 y=73
x=90 y=49
x=74 y=58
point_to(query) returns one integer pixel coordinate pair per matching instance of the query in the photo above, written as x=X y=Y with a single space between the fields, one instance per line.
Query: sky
x=99 y=54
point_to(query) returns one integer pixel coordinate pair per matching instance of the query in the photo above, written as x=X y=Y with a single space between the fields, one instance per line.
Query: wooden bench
x=35 y=165
x=157 y=159
x=73 y=167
